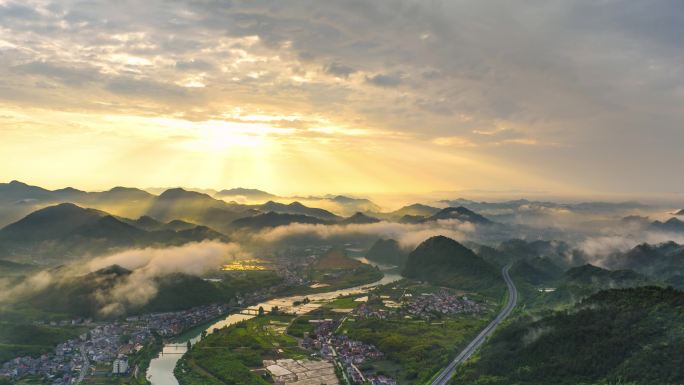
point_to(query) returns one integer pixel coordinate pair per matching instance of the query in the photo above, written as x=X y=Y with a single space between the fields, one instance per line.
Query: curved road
x=444 y=377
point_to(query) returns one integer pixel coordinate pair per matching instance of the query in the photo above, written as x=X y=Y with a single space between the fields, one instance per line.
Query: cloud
x=148 y=264
x=567 y=73
x=10 y=290
x=339 y=69
x=194 y=64
x=141 y=286
x=455 y=141
x=147 y=89
x=68 y=75
x=408 y=235
x=382 y=80
x=605 y=245
x=599 y=249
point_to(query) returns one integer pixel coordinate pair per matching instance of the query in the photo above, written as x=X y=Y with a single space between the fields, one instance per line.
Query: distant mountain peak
x=116 y=270
x=346 y=199
x=68 y=189
x=298 y=208
x=671 y=225
x=460 y=213
x=177 y=191
x=181 y=193
x=246 y=192
x=360 y=218
x=123 y=189
x=275 y=219
x=417 y=205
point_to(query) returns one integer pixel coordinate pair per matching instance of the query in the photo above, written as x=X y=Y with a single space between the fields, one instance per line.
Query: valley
x=341 y=192
x=299 y=295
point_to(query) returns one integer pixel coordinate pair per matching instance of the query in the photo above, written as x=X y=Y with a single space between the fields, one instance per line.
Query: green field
x=415 y=350
x=229 y=354
x=336 y=279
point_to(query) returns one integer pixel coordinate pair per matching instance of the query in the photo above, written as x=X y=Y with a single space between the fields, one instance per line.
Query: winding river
x=161 y=368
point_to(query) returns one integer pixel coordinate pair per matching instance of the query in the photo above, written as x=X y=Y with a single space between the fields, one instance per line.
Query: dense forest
x=618 y=336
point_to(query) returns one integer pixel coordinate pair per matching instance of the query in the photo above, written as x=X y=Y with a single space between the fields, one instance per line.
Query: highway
x=448 y=372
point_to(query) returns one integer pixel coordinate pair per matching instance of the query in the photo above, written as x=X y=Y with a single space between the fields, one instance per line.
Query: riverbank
x=162 y=367
x=400 y=333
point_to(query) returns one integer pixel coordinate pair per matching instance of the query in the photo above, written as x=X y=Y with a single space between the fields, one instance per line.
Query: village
x=111 y=344
x=350 y=355
x=425 y=306
x=107 y=344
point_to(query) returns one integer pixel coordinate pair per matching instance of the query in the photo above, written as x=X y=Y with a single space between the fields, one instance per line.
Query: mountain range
x=459 y=213
x=66 y=231
x=658 y=261
x=582 y=281
x=273 y=219
x=18 y=199
x=297 y=208
x=672 y=225
x=593 y=207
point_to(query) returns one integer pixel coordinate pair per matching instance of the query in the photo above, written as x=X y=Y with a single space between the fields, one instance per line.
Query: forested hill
x=445 y=262
x=622 y=336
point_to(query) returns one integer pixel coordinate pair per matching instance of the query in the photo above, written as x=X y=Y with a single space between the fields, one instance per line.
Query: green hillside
x=582 y=281
x=619 y=336
x=387 y=251
x=445 y=262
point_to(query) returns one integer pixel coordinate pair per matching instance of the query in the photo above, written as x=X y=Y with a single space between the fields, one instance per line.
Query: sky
x=295 y=96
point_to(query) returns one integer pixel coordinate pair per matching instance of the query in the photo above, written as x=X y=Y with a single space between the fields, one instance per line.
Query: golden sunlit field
x=248 y=265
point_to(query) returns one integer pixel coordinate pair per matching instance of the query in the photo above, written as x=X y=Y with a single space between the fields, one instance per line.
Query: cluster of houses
x=61 y=368
x=111 y=343
x=348 y=353
x=442 y=302
x=70 y=360
x=104 y=343
x=364 y=311
x=172 y=323
x=423 y=306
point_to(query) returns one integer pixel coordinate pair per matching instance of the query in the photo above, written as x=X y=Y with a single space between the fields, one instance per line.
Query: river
x=161 y=368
